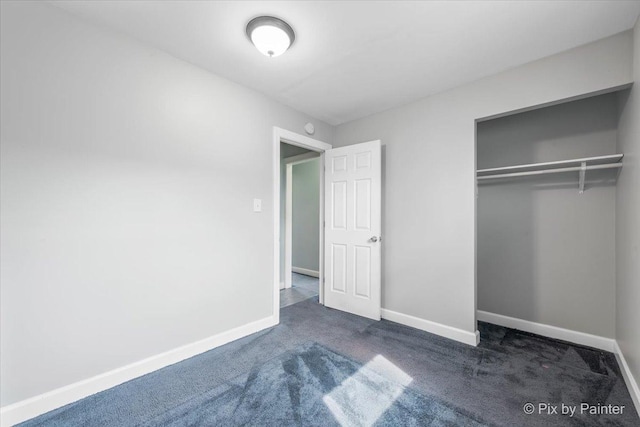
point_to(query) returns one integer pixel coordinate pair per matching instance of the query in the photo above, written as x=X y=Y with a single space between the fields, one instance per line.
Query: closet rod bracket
x=583 y=171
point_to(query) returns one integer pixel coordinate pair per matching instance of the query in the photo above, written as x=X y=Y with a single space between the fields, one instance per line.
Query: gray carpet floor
x=490 y=383
x=314 y=386
x=302 y=288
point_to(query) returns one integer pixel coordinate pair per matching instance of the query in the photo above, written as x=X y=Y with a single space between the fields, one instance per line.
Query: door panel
x=363 y=204
x=338 y=263
x=339 y=199
x=352 y=233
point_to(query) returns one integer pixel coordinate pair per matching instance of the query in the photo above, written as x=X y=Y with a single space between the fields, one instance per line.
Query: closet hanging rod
x=611 y=158
x=546 y=171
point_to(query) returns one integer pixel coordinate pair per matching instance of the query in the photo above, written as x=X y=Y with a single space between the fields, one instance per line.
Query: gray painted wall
x=306 y=215
x=545 y=252
x=628 y=223
x=127 y=181
x=430 y=159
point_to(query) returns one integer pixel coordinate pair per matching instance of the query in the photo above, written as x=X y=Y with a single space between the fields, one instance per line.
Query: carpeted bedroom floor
x=325 y=367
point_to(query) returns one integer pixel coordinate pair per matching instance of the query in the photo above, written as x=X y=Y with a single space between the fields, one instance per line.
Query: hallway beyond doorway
x=303 y=287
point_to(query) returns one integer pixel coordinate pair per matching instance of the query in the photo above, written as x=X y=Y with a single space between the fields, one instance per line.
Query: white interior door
x=352 y=229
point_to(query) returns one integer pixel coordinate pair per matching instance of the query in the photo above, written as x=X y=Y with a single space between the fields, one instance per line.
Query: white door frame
x=283 y=135
x=288 y=214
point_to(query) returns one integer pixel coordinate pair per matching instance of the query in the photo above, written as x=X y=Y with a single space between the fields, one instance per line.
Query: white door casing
x=283 y=135
x=353 y=187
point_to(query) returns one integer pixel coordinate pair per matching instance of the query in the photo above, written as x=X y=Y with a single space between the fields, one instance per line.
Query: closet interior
x=546 y=214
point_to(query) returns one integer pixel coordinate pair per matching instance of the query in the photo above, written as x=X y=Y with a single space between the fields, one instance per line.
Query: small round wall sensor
x=309 y=128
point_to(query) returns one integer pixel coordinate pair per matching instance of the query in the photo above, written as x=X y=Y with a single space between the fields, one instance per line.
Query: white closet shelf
x=582 y=165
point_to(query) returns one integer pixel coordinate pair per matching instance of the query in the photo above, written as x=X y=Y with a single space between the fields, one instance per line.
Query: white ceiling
x=355 y=58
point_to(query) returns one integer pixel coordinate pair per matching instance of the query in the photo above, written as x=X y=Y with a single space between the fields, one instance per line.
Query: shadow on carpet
x=317 y=387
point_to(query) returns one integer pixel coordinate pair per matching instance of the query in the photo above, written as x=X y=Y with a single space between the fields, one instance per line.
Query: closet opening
x=546 y=219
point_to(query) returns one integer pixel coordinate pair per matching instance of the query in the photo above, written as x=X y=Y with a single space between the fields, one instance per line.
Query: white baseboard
x=32 y=407
x=575 y=337
x=466 y=337
x=629 y=379
x=305 y=271
x=282 y=285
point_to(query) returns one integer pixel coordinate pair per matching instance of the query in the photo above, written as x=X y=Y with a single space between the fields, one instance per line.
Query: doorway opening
x=298 y=218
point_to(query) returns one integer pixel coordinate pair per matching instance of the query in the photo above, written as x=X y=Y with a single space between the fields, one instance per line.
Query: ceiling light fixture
x=270 y=35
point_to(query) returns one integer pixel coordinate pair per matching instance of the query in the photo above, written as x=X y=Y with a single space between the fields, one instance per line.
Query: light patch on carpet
x=363 y=397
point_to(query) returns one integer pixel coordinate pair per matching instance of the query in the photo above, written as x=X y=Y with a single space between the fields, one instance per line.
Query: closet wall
x=628 y=223
x=545 y=252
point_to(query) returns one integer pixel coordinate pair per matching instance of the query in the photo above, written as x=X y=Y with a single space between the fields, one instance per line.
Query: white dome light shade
x=270 y=35
x=270 y=41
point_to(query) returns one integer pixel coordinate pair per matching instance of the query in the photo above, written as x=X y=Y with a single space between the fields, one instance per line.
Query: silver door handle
x=374 y=239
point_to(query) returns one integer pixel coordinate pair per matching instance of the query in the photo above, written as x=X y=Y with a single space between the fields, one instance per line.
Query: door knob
x=373 y=239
